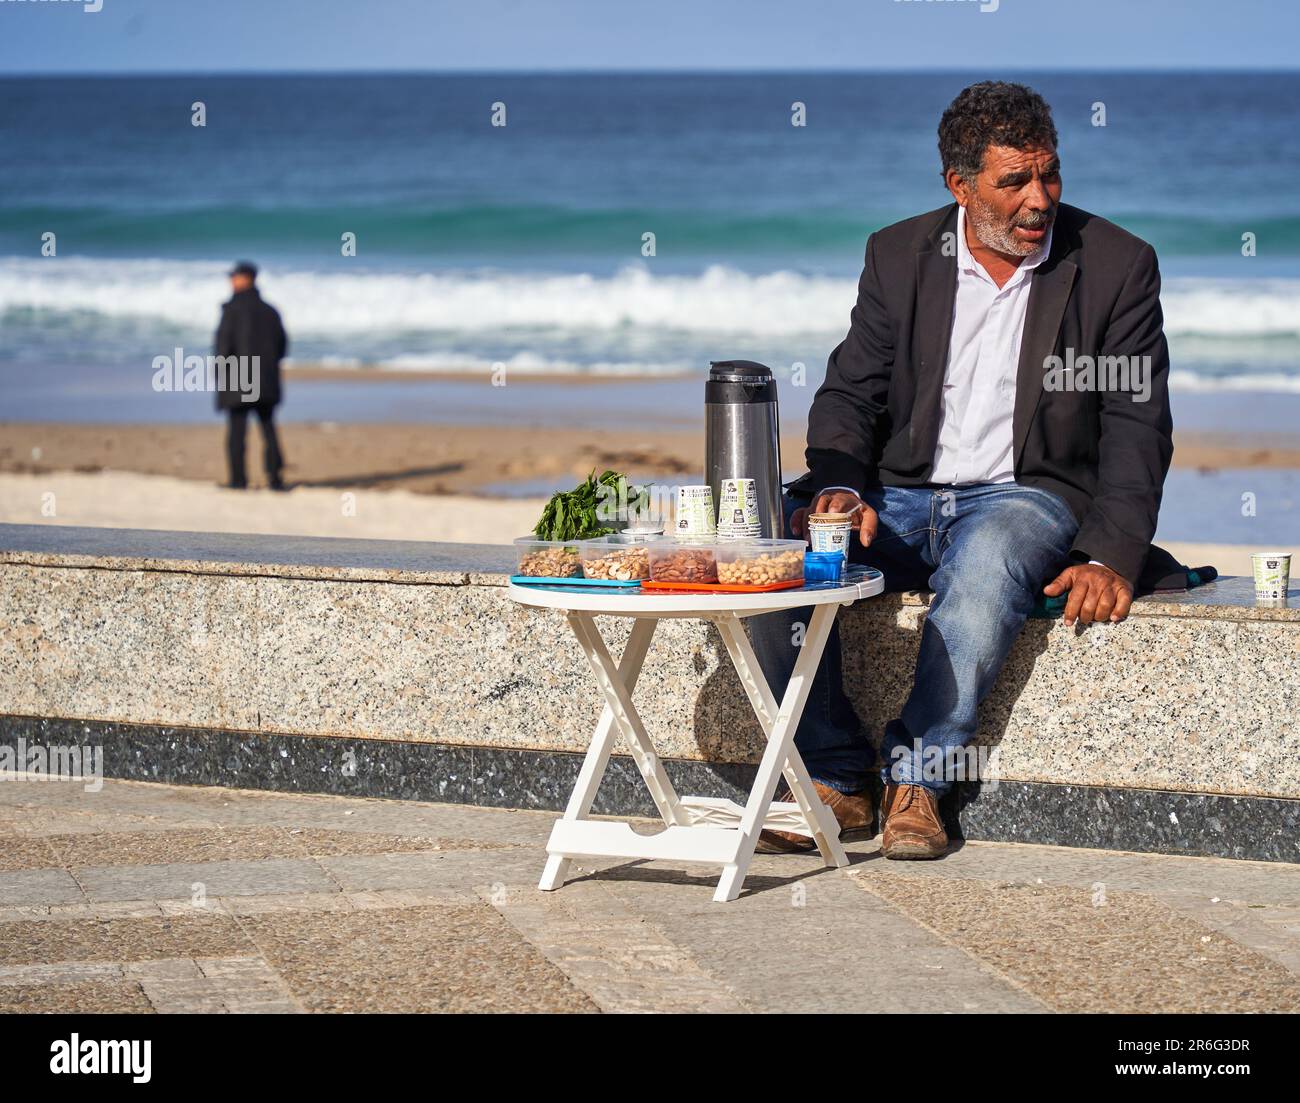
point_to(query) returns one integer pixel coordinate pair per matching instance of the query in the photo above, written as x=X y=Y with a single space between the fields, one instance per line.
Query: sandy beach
x=424 y=459
x=457 y=459
x=400 y=482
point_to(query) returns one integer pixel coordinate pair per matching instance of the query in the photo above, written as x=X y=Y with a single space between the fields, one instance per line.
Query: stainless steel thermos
x=741 y=435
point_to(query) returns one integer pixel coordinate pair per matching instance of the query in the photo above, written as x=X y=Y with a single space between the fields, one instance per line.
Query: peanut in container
x=760 y=561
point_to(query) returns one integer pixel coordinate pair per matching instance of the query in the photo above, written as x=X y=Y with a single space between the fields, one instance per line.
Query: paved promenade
x=156 y=898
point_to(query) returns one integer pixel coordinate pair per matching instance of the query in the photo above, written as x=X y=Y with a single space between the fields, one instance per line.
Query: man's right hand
x=861 y=516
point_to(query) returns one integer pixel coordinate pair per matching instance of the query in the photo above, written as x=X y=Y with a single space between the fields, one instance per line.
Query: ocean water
x=522 y=245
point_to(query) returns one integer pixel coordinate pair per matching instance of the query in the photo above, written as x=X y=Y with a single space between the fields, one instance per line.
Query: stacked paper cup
x=695 y=516
x=738 y=509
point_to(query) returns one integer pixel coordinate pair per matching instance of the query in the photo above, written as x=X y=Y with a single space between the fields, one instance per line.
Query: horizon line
x=683 y=71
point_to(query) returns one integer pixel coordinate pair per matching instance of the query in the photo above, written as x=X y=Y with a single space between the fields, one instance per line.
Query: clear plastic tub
x=759 y=561
x=683 y=560
x=615 y=560
x=548 y=558
x=635 y=536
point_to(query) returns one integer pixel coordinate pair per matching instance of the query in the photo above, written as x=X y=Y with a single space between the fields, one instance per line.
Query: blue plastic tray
x=576 y=580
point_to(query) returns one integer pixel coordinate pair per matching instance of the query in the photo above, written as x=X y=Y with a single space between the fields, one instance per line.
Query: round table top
x=860 y=582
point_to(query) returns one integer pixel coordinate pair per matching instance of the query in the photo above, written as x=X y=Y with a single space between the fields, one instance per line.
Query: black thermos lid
x=733 y=381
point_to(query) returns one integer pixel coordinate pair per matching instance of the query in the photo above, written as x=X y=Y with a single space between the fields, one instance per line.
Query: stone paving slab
x=113 y=909
x=624 y=963
x=1079 y=949
x=338 y=904
x=25 y=852
x=1255 y=903
x=118 y=940
x=214 y=844
x=1269 y=930
x=64 y=972
x=449 y=958
x=235 y=906
x=214 y=985
x=39 y=886
x=279 y=875
x=89 y=997
x=1253 y=882
x=39 y=820
x=204 y=806
x=516 y=867
x=809 y=940
x=162 y=846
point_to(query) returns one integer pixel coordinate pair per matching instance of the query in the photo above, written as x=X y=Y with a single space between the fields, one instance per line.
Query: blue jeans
x=986 y=551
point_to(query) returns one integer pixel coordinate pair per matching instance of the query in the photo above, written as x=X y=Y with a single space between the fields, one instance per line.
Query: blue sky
x=52 y=36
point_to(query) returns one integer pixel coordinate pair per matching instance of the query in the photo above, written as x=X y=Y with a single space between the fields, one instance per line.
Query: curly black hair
x=992 y=112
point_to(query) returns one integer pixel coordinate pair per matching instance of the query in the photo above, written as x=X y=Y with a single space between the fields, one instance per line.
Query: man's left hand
x=1096 y=593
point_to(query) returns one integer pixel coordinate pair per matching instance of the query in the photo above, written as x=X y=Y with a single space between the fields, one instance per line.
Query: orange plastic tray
x=721 y=587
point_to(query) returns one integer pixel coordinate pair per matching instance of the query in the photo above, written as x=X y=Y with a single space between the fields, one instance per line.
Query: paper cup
x=829 y=532
x=695 y=516
x=1272 y=574
x=738 y=509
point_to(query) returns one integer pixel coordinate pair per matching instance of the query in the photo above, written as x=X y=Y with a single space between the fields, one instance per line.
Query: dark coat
x=250 y=327
x=875 y=420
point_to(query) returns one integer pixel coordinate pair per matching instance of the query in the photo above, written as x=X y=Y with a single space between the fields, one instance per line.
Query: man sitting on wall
x=971 y=425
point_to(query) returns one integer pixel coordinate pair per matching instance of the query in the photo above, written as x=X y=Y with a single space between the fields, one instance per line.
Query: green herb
x=572 y=514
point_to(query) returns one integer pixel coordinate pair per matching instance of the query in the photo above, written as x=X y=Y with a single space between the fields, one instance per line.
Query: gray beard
x=992 y=234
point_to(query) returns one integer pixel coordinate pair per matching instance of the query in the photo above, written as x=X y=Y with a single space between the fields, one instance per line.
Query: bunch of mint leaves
x=578 y=514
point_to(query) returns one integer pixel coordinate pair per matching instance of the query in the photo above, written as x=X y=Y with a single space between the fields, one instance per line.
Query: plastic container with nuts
x=614 y=560
x=683 y=560
x=636 y=535
x=548 y=558
x=759 y=562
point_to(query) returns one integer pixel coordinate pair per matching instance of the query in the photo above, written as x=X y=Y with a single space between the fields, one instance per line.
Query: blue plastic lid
x=822 y=557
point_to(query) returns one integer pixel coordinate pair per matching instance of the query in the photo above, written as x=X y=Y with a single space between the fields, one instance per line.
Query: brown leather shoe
x=852 y=812
x=912 y=825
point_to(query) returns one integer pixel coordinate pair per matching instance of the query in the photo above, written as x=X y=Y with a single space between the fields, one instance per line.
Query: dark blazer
x=251 y=327
x=875 y=419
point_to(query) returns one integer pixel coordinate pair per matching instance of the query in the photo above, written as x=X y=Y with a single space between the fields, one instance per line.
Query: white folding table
x=697 y=829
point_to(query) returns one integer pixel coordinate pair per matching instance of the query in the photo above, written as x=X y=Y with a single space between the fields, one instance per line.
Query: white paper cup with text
x=1272 y=574
x=738 y=509
x=829 y=532
x=695 y=516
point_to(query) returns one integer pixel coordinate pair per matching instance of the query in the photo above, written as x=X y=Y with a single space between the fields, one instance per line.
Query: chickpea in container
x=759 y=562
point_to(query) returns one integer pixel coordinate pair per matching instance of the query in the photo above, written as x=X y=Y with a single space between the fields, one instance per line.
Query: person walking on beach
x=963 y=427
x=250 y=328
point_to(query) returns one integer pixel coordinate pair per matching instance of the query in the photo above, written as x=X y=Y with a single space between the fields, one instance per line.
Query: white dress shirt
x=979 y=383
x=976 y=441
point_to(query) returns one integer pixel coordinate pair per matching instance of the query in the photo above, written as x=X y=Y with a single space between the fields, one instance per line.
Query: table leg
x=780 y=747
x=825 y=829
x=602 y=744
x=619 y=700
